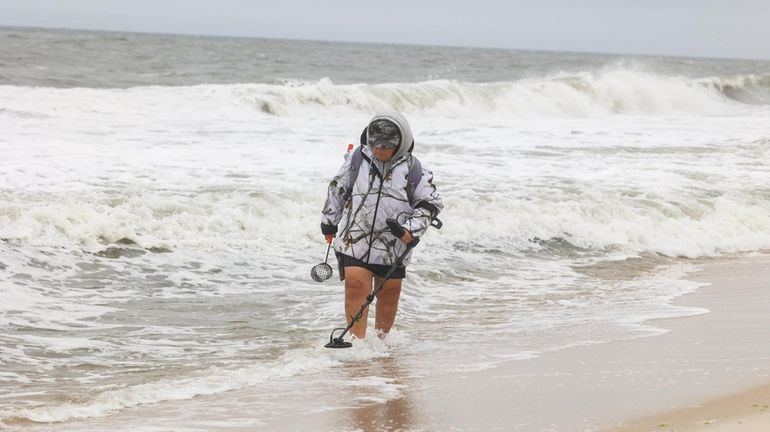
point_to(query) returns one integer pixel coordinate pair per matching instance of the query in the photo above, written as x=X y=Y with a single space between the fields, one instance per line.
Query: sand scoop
x=322 y=271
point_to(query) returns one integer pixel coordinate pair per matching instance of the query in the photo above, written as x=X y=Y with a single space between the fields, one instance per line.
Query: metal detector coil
x=337 y=342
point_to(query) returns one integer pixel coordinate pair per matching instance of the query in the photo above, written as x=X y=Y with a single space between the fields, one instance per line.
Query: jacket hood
x=407 y=139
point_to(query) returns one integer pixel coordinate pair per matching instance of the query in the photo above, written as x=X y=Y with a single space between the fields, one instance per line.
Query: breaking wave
x=583 y=94
x=565 y=95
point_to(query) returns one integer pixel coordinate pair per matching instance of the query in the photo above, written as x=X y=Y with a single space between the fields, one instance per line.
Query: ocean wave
x=564 y=95
x=582 y=94
x=597 y=221
x=748 y=89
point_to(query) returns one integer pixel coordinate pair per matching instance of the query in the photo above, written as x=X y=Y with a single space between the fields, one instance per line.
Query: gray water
x=73 y=58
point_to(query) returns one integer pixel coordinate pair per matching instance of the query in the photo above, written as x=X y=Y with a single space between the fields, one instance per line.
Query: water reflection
x=395 y=414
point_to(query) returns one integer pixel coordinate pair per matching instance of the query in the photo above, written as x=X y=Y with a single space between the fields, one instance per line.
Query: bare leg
x=358 y=285
x=387 y=305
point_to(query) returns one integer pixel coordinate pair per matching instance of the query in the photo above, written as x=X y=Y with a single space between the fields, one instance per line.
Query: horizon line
x=358 y=42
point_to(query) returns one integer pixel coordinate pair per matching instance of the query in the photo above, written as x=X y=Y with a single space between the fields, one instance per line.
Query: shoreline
x=698 y=376
x=743 y=410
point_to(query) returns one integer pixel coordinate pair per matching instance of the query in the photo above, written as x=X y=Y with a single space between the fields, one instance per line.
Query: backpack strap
x=415 y=175
x=355 y=164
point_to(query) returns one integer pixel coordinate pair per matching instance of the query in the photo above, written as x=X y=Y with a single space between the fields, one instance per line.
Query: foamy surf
x=213 y=381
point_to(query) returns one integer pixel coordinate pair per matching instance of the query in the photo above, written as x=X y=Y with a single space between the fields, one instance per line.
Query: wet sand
x=743 y=287
x=747 y=411
x=695 y=377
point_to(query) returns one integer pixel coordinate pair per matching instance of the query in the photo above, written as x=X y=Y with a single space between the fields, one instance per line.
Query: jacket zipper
x=376 y=208
x=374 y=220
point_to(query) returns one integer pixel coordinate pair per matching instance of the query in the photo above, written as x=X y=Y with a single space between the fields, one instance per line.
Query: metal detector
x=338 y=342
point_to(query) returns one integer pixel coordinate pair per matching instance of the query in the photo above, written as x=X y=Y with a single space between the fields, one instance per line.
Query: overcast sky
x=710 y=28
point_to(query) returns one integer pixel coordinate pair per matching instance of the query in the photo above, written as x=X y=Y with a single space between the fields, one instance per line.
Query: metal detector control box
x=395 y=227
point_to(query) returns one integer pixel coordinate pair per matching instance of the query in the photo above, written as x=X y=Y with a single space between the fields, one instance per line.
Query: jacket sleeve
x=335 y=200
x=427 y=205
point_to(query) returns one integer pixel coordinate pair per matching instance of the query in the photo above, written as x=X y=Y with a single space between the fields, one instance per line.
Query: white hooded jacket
x=379 y=193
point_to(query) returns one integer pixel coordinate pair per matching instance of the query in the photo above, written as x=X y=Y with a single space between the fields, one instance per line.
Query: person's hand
x=407 y=237
x=329 y=238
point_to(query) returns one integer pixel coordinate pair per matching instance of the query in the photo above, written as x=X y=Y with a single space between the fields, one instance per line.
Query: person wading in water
x=384 y=181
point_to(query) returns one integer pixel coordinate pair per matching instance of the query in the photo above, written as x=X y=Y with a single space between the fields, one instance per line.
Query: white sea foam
x=673 y=225
x=676 y=221
x=205 y=382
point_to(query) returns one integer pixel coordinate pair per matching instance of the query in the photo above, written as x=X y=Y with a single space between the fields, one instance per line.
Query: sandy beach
x=739 y=296
x=709 y=372
x=742 y=412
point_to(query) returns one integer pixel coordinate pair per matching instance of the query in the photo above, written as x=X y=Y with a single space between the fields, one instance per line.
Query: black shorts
x=378 y=269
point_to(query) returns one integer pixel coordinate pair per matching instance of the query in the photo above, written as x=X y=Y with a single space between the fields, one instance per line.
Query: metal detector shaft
x=369 y=299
